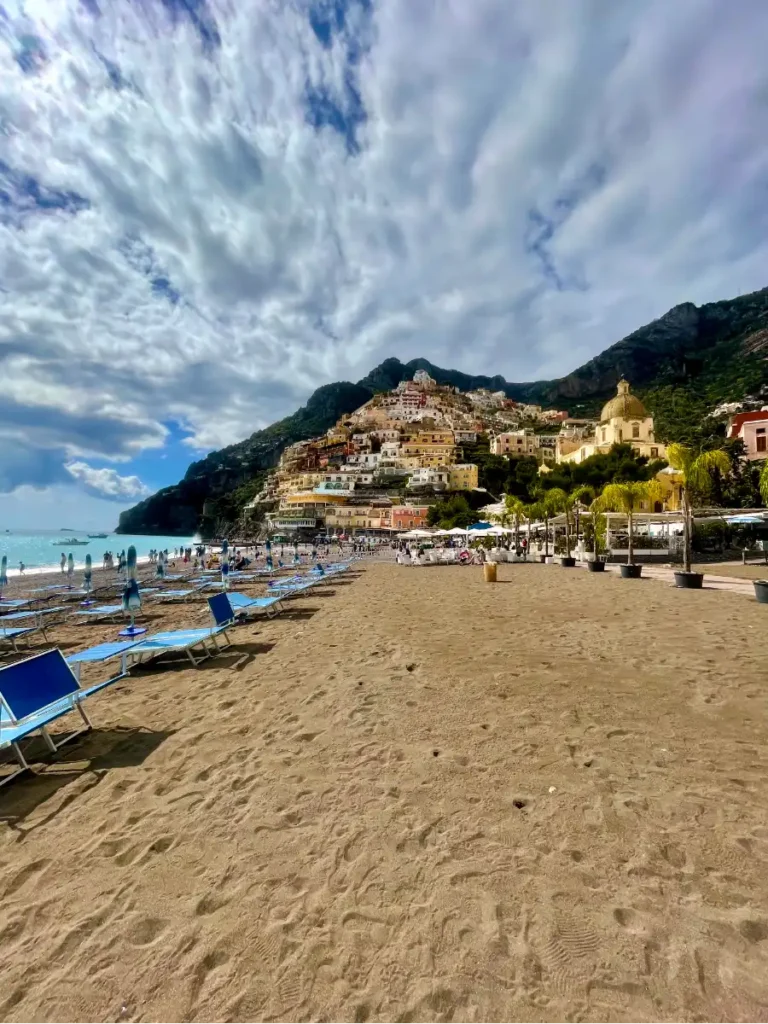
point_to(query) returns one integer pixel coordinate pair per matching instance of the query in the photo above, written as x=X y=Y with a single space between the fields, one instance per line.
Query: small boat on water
x=98 y=536
x=71 y=542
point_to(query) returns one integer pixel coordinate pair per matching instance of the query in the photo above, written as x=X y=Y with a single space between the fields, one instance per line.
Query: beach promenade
x=413 y=796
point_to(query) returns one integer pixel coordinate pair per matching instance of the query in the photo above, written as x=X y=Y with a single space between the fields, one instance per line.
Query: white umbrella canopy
x=456 y=531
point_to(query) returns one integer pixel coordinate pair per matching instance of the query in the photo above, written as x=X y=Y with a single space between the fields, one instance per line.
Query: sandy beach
x=414 y=796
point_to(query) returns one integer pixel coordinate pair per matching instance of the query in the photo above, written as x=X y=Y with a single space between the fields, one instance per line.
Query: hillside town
x=378 y=469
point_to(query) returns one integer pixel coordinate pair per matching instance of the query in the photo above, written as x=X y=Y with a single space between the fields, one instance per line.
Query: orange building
x=409 y=517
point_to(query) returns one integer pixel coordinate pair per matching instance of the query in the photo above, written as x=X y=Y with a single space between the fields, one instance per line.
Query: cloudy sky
x=209 y=207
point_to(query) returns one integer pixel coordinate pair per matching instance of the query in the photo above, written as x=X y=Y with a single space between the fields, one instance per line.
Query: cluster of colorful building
x=379 y=468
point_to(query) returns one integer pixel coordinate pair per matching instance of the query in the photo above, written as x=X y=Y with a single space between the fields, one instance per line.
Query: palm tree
x=515 y=507
x=764 y=483
x=535 y=511
x=594 y=514
x=555 y=501
x=697 y=469
x=628 y=498
x=582 y=497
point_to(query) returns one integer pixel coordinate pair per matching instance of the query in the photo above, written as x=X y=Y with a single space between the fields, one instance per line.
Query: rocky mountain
x=689 y=359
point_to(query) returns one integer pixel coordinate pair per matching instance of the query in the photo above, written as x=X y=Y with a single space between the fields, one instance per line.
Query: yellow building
x=358 y=517
x=431 y=448
x=671 y=481
x=624 y=420
x=462 y=477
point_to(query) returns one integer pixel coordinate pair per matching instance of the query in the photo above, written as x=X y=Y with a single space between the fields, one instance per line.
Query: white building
x=752 y=429
x=438 y=479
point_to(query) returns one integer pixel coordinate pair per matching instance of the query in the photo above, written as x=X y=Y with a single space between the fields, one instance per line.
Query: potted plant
x=696 y=469
x=548 y=508
x=516 y=508
x=534 y=513
x=761 y=586
x=628 y=498
x=556 y=501
x=596 y=521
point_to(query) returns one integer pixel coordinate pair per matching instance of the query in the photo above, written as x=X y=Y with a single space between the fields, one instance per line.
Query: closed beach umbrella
x=160 y=566
x=296 y=558
x=268 y=549
x=131 y=596
x=225 y=564
x=63 y=562
x=3 y=574
x=70 y=569
x=87 y=577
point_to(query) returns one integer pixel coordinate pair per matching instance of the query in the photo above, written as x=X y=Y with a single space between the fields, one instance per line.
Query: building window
x=603 y=434
x=654 y=453
x=635 y=430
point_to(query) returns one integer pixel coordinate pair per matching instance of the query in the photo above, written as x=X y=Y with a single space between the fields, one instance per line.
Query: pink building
x=752 y=429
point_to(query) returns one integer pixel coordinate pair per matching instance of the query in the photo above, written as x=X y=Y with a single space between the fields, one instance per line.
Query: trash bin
x=489 y=571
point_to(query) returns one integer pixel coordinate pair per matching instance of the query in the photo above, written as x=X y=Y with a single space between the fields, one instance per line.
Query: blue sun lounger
x=173 y=595
x=34 y=693
x=34 y=616
x=101 y=653
x=184 y=641
x=296 y=586
x=14 y=602
x=11 y=634
x=226 y=609
x=101 y=611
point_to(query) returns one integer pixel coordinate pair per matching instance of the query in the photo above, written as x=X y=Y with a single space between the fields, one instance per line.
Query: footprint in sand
x=145 y=930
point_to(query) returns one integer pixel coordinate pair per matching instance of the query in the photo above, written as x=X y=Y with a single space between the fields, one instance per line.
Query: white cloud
x=530 y=182
x=107 y=483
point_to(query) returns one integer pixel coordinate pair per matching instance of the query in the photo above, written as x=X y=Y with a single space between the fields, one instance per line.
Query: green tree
x=628 y=498
x=555 y=501
x=534 y=513
x=454 y=511
x=551 y=504
x=595 y=516
x=580 y=499
x=697 y=469
x=764 y=482
x=517 y=510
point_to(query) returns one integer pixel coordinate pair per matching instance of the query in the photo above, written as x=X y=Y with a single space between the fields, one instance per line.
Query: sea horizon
x=41 y=550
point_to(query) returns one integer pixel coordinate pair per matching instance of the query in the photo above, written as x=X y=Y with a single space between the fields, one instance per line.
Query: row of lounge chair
x=21 y=625
x=39 y=690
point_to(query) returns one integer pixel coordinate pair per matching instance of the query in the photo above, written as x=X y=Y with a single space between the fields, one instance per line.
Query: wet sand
x=413 y=797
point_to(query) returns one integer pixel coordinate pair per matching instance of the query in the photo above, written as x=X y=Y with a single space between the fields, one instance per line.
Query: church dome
x=624 y=406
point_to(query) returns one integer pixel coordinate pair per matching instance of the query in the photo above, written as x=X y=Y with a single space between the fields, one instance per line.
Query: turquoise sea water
x=44 y=549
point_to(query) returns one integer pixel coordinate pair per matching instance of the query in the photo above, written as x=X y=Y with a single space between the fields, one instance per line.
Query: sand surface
x=414 y=797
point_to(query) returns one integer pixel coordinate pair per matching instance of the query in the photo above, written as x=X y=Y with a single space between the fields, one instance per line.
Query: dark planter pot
x=596 y=565
x=567 y=561
x=761 y=591
x=689 y=580
x=542 y=559
x=631 y=572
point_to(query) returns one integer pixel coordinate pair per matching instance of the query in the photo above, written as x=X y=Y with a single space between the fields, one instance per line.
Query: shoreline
x=53 y=570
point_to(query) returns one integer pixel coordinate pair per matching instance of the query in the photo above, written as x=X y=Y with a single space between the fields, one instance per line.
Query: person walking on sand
x=21 y=568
